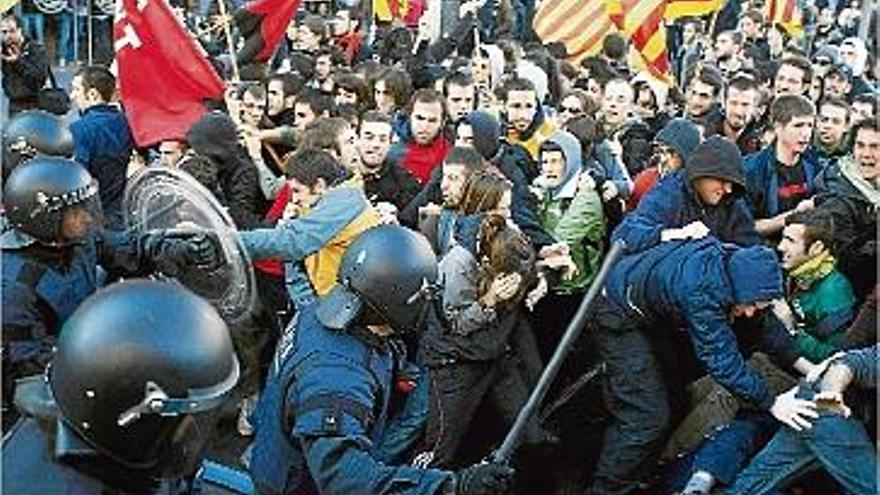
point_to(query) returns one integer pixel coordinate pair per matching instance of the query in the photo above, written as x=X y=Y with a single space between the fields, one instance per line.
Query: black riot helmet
x=139 y=368
x=55 y=200
x=390 y=270
x=34 y=133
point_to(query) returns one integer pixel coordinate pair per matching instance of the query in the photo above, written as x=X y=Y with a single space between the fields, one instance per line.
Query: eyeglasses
x=572 y=110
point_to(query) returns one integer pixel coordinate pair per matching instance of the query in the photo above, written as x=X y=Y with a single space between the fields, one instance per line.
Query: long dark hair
x=502 y=249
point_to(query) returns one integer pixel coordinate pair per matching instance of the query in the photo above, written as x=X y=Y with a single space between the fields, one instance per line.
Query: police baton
x=502 y=455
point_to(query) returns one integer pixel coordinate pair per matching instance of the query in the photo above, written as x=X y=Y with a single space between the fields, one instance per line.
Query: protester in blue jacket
x=102 y=137
x=705 y=197
x=781 y=177
x=697 y=285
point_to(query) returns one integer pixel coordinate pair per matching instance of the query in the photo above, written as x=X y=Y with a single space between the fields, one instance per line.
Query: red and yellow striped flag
x=676 y=9
x=580 y=25
x=787 y=14
x=642 y=22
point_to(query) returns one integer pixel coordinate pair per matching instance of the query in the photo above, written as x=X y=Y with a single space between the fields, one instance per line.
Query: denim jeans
x=839 y=445
x=66 y=42
x=34 y=26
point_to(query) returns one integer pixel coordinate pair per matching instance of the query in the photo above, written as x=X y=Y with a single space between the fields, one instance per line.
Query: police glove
x=170 y=250
x=484 y=479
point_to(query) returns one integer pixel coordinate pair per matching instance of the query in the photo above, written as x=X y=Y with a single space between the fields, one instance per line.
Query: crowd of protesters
x=733 y=347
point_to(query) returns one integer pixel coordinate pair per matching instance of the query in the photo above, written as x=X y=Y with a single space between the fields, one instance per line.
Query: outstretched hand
x=794 y=412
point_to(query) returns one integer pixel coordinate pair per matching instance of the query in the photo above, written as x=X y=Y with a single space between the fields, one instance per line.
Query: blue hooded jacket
x=674 y=202
x=694 y=284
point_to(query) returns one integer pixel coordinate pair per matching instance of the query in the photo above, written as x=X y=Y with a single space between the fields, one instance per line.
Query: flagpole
x=228 y=30
x=90 y=29
x=711 y=31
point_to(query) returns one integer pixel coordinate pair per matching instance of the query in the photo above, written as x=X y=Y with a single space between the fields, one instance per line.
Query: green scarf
x=815 y=269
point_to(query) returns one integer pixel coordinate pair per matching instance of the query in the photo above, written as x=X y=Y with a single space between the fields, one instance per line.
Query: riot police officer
x=324 y=408
x=127 y=404
x=51 y=254
x=32 y=133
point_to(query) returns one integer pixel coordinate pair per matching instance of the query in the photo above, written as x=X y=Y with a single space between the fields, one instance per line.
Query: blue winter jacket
x=687 y=284
x=763 y=182
x=673 y=203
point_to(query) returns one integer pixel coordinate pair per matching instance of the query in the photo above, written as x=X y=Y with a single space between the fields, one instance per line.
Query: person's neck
x=786 y=155
x=372 y=170
x=731 y=133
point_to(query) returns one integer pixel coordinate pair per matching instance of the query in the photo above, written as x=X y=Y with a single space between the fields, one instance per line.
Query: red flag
x=262 y=24
x=164 y=76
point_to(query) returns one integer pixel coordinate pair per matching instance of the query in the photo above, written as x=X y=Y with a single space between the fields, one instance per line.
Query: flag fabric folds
x=163 y=75
x=642 y=22
x=580 y=25
x=787 y=14
x=262 y=24
x=677 y=9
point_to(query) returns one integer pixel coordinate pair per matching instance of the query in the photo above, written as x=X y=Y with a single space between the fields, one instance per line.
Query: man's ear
x=320 y=187
x=817 y=247
x=93 y=95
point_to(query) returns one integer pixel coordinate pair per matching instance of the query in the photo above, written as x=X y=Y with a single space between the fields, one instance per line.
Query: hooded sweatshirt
x=215 y=137
x=573 y=215
x=674 y=202
x=694 y=284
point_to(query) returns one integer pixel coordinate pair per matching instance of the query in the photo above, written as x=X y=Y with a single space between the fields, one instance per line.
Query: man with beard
x=25 y=66
x=461 y=96
x=740 y=106
x=848 y=189
x=281 y=91
x=702 y=90
x=793 y=77
x=383 y=181
x=434 y=209
x=728 y=52
x=427 y=146
x=280 y=121
x=781 y=176
x=526 y=123
x=830 y=142
x=838 y=81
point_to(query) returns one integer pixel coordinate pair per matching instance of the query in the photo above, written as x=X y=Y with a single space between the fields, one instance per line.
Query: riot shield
x=170 y=199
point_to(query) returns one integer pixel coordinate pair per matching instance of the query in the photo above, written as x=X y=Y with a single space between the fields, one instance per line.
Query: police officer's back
x=325 y=404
